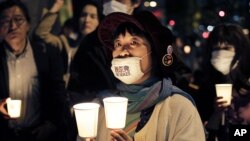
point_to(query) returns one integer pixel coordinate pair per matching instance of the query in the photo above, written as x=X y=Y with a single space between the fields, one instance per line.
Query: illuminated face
x=15 y=25
x=89 y=19
x=134 y=46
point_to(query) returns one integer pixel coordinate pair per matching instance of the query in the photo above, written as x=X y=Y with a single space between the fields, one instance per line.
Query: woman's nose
x=124 y=52
x=88 y=19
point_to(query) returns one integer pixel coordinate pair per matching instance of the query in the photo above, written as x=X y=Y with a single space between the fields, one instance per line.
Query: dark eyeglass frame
x=6 y=22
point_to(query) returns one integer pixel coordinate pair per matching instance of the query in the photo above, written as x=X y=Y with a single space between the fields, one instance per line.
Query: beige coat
x=174 y=119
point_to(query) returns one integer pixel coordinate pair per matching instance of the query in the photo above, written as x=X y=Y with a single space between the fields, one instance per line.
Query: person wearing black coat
x=32 y=73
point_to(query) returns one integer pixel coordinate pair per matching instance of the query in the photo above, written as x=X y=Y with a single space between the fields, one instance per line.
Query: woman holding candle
x=143 y=60
x=225 y=62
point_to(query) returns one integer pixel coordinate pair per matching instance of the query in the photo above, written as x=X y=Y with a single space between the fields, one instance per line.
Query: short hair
x=130 y=28
x=10 y=3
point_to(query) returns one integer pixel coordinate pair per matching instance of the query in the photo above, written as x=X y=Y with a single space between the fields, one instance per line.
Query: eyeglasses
x=6 y=23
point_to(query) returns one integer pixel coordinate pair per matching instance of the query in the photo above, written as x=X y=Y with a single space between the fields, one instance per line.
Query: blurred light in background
x=222 y=13
x=246 y=31
x=201 y=27
x=146 y=4
x=205 y=34
x=210 y=28
x=236 y=18
x=187 y=49
x=171 y=22
x=153 y=4
x=197 y=43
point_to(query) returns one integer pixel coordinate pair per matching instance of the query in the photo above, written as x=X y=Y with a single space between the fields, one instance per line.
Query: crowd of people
x=87 y=61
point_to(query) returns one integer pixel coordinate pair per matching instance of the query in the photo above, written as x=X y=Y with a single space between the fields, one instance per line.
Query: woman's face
x=222 y=56
x=88 y=20
x=134 y=46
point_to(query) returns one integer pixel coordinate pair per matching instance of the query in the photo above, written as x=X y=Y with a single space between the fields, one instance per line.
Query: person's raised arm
x=56 y=6
x=43 y=30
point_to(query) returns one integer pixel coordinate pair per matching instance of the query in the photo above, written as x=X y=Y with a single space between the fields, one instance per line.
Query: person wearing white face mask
x=128 y=70
x=142 y=59
x=223 y=53
x=124 y=6
x=221 y=59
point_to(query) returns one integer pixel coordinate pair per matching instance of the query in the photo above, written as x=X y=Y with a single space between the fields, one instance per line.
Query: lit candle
x=115 y=112
x=87 y=119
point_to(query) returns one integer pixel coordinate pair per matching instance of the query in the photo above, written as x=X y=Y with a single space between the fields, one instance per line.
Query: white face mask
x=128 y=70
x=221 y=60
x=114 y=6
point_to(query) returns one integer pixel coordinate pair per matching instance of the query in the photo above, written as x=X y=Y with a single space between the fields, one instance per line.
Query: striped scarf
x=147 y=94
x=142 y=97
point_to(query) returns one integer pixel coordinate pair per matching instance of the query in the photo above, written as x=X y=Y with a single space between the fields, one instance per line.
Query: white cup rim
x=86 y=106
x=115 y=99
x=225 y=84
x=13 y=100
x=16 y=100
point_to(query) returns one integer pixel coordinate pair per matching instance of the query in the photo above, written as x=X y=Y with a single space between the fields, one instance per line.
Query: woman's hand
x=3 y=110
x=220 y=104
x=120 y=135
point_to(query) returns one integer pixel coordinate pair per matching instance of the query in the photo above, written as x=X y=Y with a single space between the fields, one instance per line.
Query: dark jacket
x=90 y=69
x=54 y=105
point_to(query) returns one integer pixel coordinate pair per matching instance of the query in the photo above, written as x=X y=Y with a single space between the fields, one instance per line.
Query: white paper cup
x=87 y=119
x=115 y=112
x=14 y=107
x=224 y=91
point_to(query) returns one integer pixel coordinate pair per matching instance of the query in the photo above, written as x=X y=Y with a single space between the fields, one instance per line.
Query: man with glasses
x=32 y=73
x=6 y=22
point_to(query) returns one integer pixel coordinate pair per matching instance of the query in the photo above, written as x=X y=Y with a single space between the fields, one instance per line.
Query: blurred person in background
x=69 y=39
x=124 y=6
x=32 y=73
x=241 y=80
x=224 y=50
x=241 y=74
x=142 y=60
